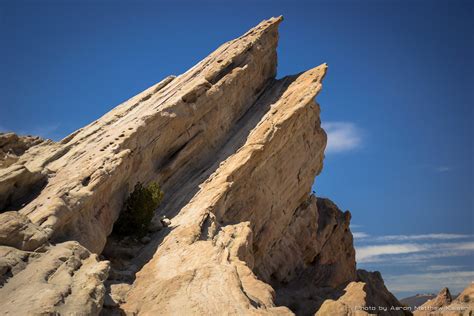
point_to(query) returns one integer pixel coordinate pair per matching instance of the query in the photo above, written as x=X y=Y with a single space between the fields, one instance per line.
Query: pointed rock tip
x=444 y=290
x=278 y=18
x=273 y=21
x=318 y=71
x=323 y=67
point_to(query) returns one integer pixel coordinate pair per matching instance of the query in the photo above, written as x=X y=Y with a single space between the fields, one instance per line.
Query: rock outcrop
x=236 y=152
x=20 y=183
x=13 y=146
x=444 y=305
x=365 y=296
x=442 y=299
x=64 y=279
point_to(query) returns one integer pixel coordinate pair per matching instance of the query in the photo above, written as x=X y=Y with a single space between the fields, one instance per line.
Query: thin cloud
x=443 y=267
x=411 y=252
x=425 y=257
x=360 y=235
x=342 y=136
x=440 y=236
x=366 y=254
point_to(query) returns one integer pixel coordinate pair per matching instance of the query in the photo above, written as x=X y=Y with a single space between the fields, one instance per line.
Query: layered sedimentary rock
x=444 y=305
x=65 y=279
x=233 y=221
x=236 y=152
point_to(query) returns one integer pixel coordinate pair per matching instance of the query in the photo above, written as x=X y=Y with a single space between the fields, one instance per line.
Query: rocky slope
x=236 y=152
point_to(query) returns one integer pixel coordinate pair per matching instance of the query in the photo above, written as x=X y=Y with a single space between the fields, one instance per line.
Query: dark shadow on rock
x=181 y=192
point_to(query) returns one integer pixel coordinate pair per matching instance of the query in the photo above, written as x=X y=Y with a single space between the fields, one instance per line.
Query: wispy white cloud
x=342 y=136
x=392 y=238
x=429 y=261
x=443 y=267
x=360 y=235
x=426 y=257
x=374 y=253
x=456 y=281
x=412 y=252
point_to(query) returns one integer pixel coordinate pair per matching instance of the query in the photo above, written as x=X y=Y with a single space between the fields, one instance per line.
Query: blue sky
x=397 y=102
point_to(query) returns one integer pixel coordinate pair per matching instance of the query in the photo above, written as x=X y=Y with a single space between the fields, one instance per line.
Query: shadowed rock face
x=236 y=153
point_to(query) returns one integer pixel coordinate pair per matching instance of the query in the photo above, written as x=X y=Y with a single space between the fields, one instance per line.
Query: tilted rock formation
x=444 y=305
x=236 y=153
x=231 y=224
x=442 y=299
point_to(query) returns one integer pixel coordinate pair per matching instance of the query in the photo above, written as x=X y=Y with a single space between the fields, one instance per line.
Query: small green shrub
x=138 y=210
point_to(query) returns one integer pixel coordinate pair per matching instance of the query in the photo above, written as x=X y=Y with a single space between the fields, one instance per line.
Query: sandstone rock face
x=19 y=183
x=17 y=231
x=167 y=133
x=231 y=223
x=443 y=304
x=13 y=146
x=321 y=242
x=366 y=296
x=65 y=279
x=236 y=152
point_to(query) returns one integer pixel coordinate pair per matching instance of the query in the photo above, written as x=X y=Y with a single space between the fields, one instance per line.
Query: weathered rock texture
x=365 y=296
x=443 y=304
x=13 y=146
x=236 y=153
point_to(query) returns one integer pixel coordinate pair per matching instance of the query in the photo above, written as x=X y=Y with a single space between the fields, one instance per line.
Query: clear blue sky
x=397 y=100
